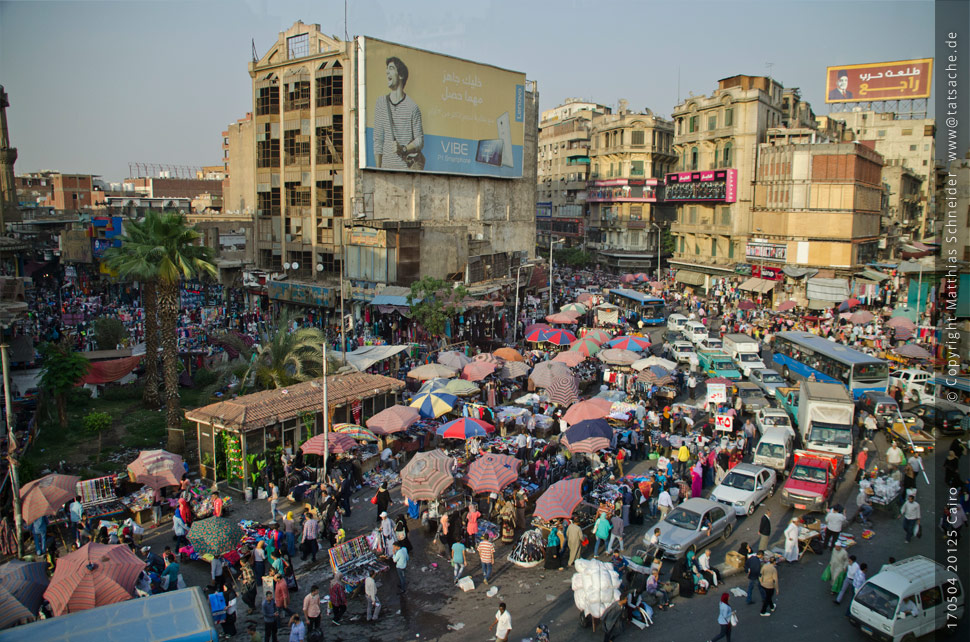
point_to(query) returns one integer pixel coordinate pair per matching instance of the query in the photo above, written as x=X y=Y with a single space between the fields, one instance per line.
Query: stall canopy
x=830 y=290
x=364 y=357
x=756 y=284
x=393 y=299
x=872 y=275
x=798 y=272
x=689 y=277
x=108 y=371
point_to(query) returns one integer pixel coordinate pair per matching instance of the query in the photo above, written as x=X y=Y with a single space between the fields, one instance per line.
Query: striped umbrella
x=509 y=354
x=537 y=335
x=562 y=318
x=589 y=409
x=655 y=375
x=355 y=432
x=488 y=357
x=563 y=391
x=215 y=535
x=22 y=586
x=157 y=469
x=454 y=359
x=628 y=278
x=461 y=388
x=490 y=473
x=431 y=371
x=571 y=358
x=652 y=360
x=536 y=326
x=465 y=428
x=640 y=276
x=585 y=347
x=785 y=306
x=434 y=404
x=578 y=308
x=618 y=357
x=590 y=445
x=912 y=351
x=560 y=500
x=46 y=496
x=546 y=372
x=477 y=370
x=598 y=335
x=335 y=441
x=94 y=575
x=560 y=337
x=393 y=419
x=634 y=344
x=433 y=384
x=513 y=369
x=901 y=322
x=747 y=305
x=426 y=476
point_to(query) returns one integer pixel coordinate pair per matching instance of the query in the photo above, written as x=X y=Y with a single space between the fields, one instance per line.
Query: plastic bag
x=827 y=574
x=839 y=581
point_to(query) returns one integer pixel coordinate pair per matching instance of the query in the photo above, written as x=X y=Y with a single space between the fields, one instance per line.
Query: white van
x=676 y=322
x=907 y=600
x=775 y=448
x=695 y=331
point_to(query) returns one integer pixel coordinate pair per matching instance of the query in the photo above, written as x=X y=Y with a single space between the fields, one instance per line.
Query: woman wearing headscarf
x=185 y=512
x=697 y=479
x=289 y=528
x=838 y=565
x=383 y=499
x=724 y=612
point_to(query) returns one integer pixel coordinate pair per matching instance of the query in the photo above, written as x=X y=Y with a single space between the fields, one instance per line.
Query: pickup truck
x=922 y=440
x=787 y=399
x=813 y=480
x=717 y=364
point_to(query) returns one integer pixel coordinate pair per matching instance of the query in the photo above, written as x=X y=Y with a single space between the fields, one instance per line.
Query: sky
x=94 y=86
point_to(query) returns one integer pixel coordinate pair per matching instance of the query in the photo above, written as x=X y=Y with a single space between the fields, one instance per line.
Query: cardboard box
x=734 y=559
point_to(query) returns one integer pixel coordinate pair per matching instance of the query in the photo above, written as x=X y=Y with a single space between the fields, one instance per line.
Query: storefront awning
x=364 y=357
x=831 y=290
x=815 y=304
x=798 y=272
x=759 y=285
x=872 y=275
x=689 y=277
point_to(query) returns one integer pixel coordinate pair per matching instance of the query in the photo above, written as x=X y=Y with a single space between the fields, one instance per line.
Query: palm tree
x=288 y=357
x=131 y=262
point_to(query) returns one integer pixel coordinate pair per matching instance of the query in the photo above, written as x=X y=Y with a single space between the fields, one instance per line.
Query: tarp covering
x=756 y=284
x=816 y=304
x=873 y=275
x=834 y=290
x=689 y=277
x=364 y=357
x=798 y=272
x=108 y=371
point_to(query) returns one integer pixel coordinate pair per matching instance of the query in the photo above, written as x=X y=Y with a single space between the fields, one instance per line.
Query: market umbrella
x=571 y=358
x=628 y=278
x=431 y=371
x=537 y=335
x=214 y=535
x=848 y=304
x=544 y=373
x=491 y=472
x=912 y=351
x=641 y=277
x=578 y=308
x=536 y=326
x=433 y=384
x=785 y=306
x=426 y=475
x=584 y=297
x=589 y=409
x=393 y=419
x=513 y=369
x=488 y=357
x=562 y=318
x=903 y=333
x=461 y=388
x=723 y=380
x=477 y=370
x=560 y=337
x=454 y=359
x=46 y=496
x=336 y=442
x=157 y=469
x=355 y=432
x=861 y=317
x=652 y=360
x=906 y=312
x=590 y=445
x=465 y=428
x=614 y=396
x=587 y=429
x=585 y=347
x=434 y=404
x=22 y=586
x=747 y=305
x=635 y=344
x=94 y=575
x=656 y=375
x=560 y=500
x=617 y=357
x=563 y=390
x=598 y=335
x=656 y=285
x=901 y=322
x=509 y=354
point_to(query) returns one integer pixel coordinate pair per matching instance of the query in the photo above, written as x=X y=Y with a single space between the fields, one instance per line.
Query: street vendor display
x=530 y=551
x=355 y=561
x=99 y=496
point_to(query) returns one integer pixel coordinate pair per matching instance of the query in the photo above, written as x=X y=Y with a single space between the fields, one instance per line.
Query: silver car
x=767 y=379
x=745 y=487
x=691 y=526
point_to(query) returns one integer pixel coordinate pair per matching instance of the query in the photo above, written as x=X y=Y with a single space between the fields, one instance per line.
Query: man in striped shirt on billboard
x=398 y=132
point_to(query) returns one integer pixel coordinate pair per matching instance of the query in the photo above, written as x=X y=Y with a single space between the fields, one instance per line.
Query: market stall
x=355 y=560
x=99 y=496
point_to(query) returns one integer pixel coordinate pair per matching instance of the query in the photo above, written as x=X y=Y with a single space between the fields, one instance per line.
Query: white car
x=767 y=380
x=683 y=352
x=710 y=343
x=772 y=418
x=695 y=331
x=748 y=361
x=745 y=487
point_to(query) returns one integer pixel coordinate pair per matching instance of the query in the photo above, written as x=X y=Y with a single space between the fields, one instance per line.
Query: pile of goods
x=595 y=586
x=884 y=490
x=530 y=550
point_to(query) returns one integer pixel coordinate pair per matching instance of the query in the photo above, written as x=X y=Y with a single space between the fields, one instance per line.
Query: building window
x=726 y=216
x=713 y=247
x=716 y=151
x=636 y=212
x=330 y=90
x=881 y=133
x=682 y=243
x=697 y=247
x=637 y=138
x=693 y=158
x=912 y=148
x=712 y=121
x=727 y=155
x=693 y=216
x=267 y=100
x=634 y=239
x=907 y=132
x=729 y=117
x=298 y=46
x=730 y=250
x=636 y=167
x=694 y=125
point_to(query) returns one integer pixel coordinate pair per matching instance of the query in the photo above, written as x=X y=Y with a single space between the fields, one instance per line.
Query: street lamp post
x=515 y=320
x=552 y=239
x=654 y=225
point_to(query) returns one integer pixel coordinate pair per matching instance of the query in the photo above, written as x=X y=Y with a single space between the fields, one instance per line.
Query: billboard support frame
x=906 y=109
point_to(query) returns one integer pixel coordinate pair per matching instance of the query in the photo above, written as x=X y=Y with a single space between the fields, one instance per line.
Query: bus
x=943 y=387
x=650 y=309
x=799 y=355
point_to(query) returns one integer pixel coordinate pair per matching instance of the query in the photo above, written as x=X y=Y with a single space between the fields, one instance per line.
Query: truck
x=717 y=364
x=787 y=398
x=175 y=616
x=735 y=343
x=813 y=480
x=825 y=414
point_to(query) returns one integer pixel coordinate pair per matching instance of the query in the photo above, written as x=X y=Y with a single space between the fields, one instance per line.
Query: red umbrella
x=595 y=408
x=563 y=390
x=465 y=428
x=94 y=575
x=336 y=442
x=560 y=500
x=46 y=496
x=628 y=278
x=571 y=358
x=490 y=473
x=785 y=306
x=537 y=335
x=747 y=305
x=562 y=318
x=393 y=419
x=635 y=344
x=584 y=297
x=536 y=326
x=477 y=370
x=560 y=337
x=598 y=335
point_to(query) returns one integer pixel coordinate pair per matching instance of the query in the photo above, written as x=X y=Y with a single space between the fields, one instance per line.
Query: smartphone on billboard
x=505 y=135
x=490 y=152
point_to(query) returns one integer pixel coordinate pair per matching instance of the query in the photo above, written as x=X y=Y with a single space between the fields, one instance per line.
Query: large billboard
x=422 y=111
x=714 y=185
x=899 y=80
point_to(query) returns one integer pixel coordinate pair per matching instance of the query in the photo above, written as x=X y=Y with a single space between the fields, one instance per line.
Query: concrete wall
x=240 y=187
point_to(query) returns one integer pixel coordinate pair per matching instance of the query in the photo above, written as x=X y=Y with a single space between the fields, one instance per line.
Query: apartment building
x=73 y=192
x=630 y=153
x=239 y=163
x=716 y=140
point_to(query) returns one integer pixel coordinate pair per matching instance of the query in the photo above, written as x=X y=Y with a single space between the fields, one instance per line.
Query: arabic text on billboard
x=717 y=185
x=899 y=80
x=422 y=111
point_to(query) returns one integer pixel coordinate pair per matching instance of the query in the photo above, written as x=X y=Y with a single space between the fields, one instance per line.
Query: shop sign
x=724 y=422
x=767 y=273
x=302 y=293
x=766 y=251
x=716 y=393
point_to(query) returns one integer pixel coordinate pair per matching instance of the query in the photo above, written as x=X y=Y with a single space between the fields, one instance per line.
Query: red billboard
x=715 y=185
x=899 y=80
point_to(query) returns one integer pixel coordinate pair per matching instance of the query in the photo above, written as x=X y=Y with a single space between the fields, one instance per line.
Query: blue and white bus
x=799 y=355
x=650 y=309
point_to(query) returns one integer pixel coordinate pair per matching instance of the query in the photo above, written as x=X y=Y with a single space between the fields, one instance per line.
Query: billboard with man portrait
x=899 y=80
x=427 y=112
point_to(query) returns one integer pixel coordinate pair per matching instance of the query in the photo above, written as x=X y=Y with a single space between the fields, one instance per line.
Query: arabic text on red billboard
x=716 y=185
x=622 y=190
x=899 y=80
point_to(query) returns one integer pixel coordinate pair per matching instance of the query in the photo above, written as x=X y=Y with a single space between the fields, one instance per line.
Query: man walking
x=270 y=625
x=370 y=592
x=858 y=579
x=692 y=385
x=574 y=539
x=311 y=607
x=764 y=530
x=769 y=587
x=752 y=566
x=486 y=554
x=834 y=520
x=602 y=531
x=849 y=578
x=76 y=511
x=502 y=624
x=401 y=563
x=616 y=534
x=911 y=517
x=274 y=499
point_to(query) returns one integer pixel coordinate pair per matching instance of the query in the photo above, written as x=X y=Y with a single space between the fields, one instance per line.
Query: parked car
x=940 y=417
x=773 y=418
x=745 y=487
x=880 y=405
x=691 y=526
x=767 y=379
x=752 y=398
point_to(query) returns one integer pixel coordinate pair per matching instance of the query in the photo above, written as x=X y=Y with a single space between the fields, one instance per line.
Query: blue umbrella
x=587 y=429
x=434 y=404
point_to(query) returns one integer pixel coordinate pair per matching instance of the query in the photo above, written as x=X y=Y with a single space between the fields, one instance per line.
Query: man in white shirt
x=847 y=584
x=664 y=503
x=911 y=517
x=76 y=511
x=894 y=456
x=858 y=579
x=871 y=426
x=502 y=624
x=834 y=520
x=370 y=592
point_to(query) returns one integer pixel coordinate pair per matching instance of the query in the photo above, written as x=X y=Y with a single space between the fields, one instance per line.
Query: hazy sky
x=96 y=85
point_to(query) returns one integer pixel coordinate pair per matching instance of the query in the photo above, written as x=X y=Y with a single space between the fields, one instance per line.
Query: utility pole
x=18 y=519
x=326 y=413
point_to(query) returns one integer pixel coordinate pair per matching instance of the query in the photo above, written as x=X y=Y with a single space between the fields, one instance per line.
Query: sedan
x=941 y=416
x=691 y=526
x=767 y=380
x=745 y=487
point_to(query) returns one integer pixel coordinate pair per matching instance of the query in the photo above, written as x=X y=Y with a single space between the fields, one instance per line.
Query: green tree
x=169 y=244
x=433 y=302
x=289 y=357
x=96 y=423
x=61 y=370
x=573 y=257
x=109 y=332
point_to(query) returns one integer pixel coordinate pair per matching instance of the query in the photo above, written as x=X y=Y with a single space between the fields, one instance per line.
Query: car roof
x=748 y=469
x=878 y=397
x=699 y=504
x=940 y=404
x=765 y=371
x=746 y=385
x=899 y=576
x=683 y=344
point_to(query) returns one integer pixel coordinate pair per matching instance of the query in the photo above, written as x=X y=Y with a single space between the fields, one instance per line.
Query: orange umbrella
x=46 y=496
x=595 y=408
x=94 y=575
x=509 y=354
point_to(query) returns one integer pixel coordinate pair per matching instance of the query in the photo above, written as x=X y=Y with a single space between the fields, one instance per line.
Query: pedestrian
x=791 y=540
x=911 y=517
x=724 y=618
x=311 y=608
x=401 y=564
x=502 y=624
x=834 y=520
x=370 y=594
x=289 y=531
x=847 y=584
x=76 y=512
x=574 y=539
x=858 y=579
x=270 y=624
x=838 y=564
x=297 y=629
x=616 y=534
x=602 y=531
x=311 y=531
x=692 y=385
x=764 y=530
x=259 y=560
x=273 y=497
x=752 y=566
x=769 y=584
x=229 y=624
x=458 y=559
x=665 y=503
x=39 y=530
x=281 y=594
x=486 y=553
x=613 y=619
x=338 y=598
x=383 y=500
x=472 y=525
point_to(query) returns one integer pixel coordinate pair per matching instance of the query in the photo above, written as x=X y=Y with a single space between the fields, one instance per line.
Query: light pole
x=515 y=320
x=552 y=239
x=659 y=229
